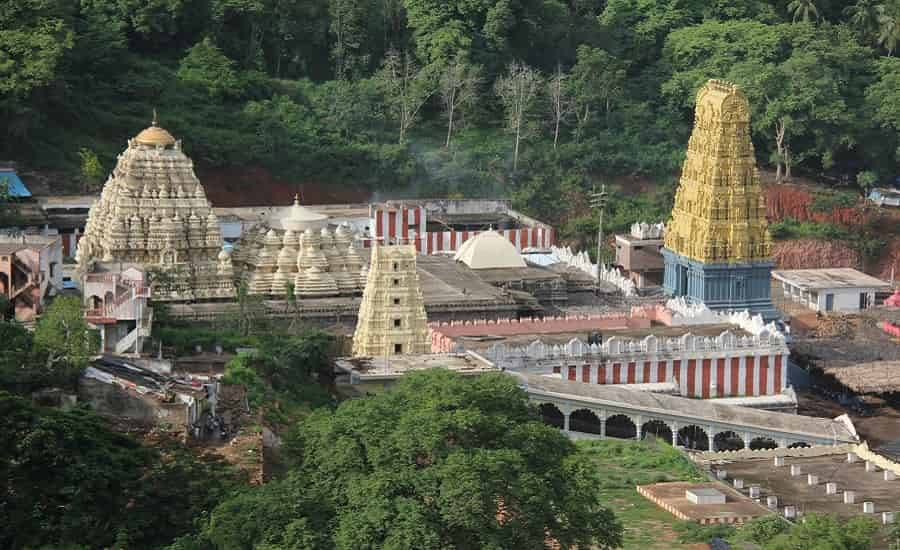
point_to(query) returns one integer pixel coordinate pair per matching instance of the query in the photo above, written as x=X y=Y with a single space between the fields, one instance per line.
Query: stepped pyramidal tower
x=153 y=213
x=717 y=244
x=392 y=317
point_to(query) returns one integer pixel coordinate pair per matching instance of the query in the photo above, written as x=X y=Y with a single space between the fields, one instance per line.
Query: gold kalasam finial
x=297 y=198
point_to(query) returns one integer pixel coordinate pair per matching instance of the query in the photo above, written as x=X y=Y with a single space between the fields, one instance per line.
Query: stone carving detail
x=641 y=230
x=317 y=261
x=720 y=213
x=153 y=212
x=392 y=316
x=581 y=261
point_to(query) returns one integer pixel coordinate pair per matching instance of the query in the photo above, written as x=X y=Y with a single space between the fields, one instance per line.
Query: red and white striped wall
x=404 y=223
x=733 y=376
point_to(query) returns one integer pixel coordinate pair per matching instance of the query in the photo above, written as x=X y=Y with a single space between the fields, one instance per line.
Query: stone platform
x=672 y=497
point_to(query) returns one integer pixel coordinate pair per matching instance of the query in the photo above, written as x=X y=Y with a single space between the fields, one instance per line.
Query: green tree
x=518 y=91
x=9 y=207
x=824 y=532
x=65 y=339
x=445 y=461
x=91 y=170
x=889 y=29
x=69 y=481
x=208 y=68
x=406 y=88
x=804 y=10
x=865 y=15
x=597 y=78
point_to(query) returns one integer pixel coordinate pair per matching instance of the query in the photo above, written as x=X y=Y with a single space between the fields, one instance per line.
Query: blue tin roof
x=16 y=187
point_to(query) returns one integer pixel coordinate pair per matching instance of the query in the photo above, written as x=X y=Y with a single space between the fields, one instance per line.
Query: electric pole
x=598 y=202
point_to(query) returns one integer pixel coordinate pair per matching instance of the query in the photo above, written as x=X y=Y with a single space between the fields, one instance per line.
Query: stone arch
x=798 y=444
x=584 y=420
x=728 y=440
x=551 y=415
x=657 y=428
x=693 y=437
x=621 y=426
x=762 y=442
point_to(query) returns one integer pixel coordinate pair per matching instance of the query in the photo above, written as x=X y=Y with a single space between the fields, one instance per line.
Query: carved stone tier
x=317 y=261
x=153 y=212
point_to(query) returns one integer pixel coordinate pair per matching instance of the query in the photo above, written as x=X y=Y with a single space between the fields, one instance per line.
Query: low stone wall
x=862 y=451
x=745 y=454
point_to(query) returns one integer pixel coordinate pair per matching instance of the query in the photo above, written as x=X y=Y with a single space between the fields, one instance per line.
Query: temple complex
x=296 y=248
x=153 y=213
x=392 y=318
x=717 y=245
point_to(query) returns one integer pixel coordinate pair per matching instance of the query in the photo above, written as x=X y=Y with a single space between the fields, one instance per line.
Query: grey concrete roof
x=836 y=277
x=398 y=365
x=699 y=410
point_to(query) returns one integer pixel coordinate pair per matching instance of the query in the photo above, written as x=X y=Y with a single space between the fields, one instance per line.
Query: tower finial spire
x=155 y=121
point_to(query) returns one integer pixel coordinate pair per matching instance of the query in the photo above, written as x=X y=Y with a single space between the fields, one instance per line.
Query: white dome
x=297 y=218
x=489 y=250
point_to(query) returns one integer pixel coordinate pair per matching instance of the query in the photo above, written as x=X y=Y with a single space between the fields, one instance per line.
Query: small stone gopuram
x=392 y=318
x=153 y=214
x=717 y=245
x=296 y=248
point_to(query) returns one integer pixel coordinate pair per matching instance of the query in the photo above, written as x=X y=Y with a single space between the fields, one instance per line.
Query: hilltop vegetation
x=546 y=96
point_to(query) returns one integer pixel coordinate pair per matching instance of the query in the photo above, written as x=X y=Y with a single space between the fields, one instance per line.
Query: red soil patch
x=789 y=201
x=256 y=186
x=813 y=253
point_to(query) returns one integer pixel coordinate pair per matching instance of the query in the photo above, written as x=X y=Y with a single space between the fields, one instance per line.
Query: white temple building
x=296 y=248
x=153 y=214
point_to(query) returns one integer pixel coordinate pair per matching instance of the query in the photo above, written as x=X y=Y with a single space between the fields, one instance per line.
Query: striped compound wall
x=404 y=223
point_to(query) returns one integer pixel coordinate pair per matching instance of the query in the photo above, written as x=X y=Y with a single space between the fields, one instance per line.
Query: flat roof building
x=364 y=375
x=840 y=289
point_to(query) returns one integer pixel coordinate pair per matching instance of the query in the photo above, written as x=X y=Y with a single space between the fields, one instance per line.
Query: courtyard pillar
x=638 y=424
x=566 y=420
x=674 y=428
x=711 y=438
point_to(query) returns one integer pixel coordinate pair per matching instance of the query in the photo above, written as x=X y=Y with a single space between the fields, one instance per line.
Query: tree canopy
x=438 y=461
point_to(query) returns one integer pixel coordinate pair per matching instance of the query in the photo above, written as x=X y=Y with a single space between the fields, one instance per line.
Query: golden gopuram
x=717 y=244
x=392 y=317
x=153 y=214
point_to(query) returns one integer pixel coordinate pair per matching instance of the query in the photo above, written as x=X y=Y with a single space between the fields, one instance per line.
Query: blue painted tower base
x=721 y=286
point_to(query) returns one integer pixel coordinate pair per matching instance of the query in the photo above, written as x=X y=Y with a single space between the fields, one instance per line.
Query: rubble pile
x=836 y=326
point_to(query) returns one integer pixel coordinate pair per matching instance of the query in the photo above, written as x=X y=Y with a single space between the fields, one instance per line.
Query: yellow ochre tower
x=392 y=317
x=717 y=245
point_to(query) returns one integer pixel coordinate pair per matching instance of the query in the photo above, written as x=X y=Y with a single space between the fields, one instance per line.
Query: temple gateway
x=717 y=244
x=153 y=214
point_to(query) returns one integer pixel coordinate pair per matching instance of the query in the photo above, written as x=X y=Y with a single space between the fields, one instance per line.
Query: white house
x=841 y=289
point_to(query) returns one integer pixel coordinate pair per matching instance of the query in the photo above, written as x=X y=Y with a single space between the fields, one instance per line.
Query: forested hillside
x=537 y=99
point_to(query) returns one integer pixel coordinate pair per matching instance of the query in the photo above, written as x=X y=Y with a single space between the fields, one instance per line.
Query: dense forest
x=536 y=99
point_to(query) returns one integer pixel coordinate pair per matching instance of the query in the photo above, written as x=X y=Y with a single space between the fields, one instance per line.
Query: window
x=396 y=266
x=396 y=282
x=396 y=323
x=396 y=301
x=638 y=247
x=398 y=349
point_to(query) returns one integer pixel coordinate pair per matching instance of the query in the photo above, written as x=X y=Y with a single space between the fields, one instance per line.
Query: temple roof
x=489 y=250
x=154 y=135
x=297 y=217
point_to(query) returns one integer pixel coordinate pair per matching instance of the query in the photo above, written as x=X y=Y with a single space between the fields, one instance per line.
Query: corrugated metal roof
x=16 y=186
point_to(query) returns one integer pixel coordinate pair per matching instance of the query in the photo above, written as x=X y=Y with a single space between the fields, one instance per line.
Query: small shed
x=15 y=187
x=841 y=289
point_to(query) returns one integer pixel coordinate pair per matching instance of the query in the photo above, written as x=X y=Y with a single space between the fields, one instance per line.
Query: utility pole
x=598 y=202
